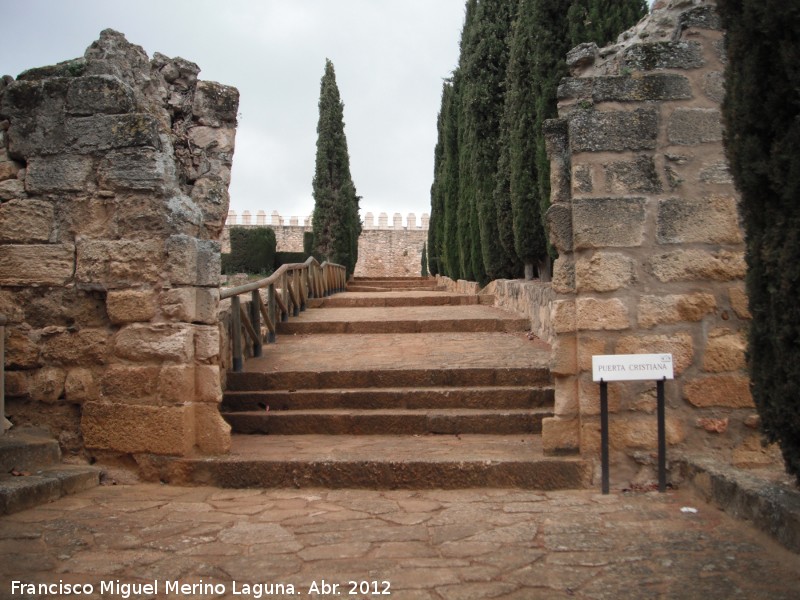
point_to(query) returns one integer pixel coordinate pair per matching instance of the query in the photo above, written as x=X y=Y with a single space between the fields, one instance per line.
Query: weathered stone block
x=582 y=180
x=207 y=384
x=563 y=316
x=176 y=384
x=608 y=222
x=604 y=272
x=130 y=306
x=26 y=221
x=589 y=346
x=675 y=308
x=593 y=314
x=36 y=264
x=613 y=131
x=207 y=138
x=730 y=391
x=82 y=347
x=725 y=351
x=114 y=264
x=656 y=87
x=714 y=86
x=93 y=94
x=212 y=198
x=739 y=302
x=126 y=382
x=559 y=226
x=694 y=265
x=700 y=17
x=560 y=436
x=18 y=384
x=61 y=173
x=155 y=342
x=22 y=348
x=582 y=55
x=193 y=262
x=12 y=189
x=135 y=428
x=664 y=55
x=563 y=276
x=206 y=342
x=9 y=169
x=691 y=126
x=564 y=358
x=47 y=384
x=35 y=109
x=213 y=434
x=639 y=432
x=191 y=304
x=589 y=396
x=718 y=172
x=712 y=220
x=680 y=345
x=215 y=104
x=566 y=397
x=637 y=176
x=136 y=169
x=80 y=386
x=100 y=133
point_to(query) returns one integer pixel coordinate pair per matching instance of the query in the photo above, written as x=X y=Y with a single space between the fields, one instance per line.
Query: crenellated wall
x=651 y=253
x=384 y=249
x=114 y=173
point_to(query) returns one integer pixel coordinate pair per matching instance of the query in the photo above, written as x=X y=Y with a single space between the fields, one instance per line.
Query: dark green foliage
x=288 y=258
x=450 y=254
x=761 y=113
x=601 y=21
x=424 y=261
x=252 y=251
x=308 y=243
x=335 y=222
x=436 y=223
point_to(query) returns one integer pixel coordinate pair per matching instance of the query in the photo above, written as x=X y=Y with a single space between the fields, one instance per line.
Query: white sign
x=631 y=367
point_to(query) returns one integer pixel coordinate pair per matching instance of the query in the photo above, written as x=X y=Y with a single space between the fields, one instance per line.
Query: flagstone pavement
x=204 y=542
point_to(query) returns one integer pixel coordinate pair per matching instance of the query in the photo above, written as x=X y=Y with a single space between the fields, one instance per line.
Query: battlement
x=276 y=220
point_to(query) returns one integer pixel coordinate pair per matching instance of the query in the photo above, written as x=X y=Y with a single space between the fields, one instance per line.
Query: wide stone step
x=375 y=462
x=396 y=299
x=387 y=422
x=27 y=449
x=371 y=287
x=398 y=378
x=497 y=398
x=409 y=319
x=28 y=489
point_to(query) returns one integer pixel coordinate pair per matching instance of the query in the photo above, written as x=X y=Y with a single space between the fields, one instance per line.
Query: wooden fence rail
x=288 y=290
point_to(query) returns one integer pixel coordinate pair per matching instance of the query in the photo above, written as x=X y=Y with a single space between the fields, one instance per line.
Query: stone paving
x=464 y=544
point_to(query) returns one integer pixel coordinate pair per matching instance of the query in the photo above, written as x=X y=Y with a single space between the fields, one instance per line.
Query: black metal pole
x=662 y=437
x=604 y=433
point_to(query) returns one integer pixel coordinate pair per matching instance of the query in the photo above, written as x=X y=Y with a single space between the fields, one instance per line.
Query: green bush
x=252 y=251
x=288 y=258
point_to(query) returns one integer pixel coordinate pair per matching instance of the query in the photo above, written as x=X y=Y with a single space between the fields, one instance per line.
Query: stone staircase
x=31 y=472
x=399 y=387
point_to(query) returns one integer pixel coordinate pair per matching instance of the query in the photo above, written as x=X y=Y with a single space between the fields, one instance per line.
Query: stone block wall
x=384 y=250
x=114 y=173
x=651 y=254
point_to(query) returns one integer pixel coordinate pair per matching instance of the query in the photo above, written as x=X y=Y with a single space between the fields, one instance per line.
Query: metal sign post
x=633 y=367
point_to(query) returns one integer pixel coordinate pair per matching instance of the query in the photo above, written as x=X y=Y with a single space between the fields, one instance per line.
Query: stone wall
x=651 y=254
x=384 y=249
x=114 y=173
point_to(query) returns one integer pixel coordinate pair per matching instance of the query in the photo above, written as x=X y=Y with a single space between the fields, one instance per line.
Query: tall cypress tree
x=762 y=134
x=601 y=21
x=451 y=255
x=484 y=59
x=436 y=223
x=335 y=221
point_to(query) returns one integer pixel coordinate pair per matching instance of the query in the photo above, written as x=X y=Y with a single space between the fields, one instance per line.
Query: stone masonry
x=384 y=249
x=651 y=254
x=114 y=173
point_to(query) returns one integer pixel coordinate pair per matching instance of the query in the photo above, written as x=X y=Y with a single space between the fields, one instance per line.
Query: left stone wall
x=114 y=174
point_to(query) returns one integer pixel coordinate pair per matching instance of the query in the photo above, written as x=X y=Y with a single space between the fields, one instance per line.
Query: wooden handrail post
x=271 y=310
x=4 y=423
x=236 y=333
x=255 y=319
x=285 y=294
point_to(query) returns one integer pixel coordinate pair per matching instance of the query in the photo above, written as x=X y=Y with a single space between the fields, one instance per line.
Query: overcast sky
x=390 y=58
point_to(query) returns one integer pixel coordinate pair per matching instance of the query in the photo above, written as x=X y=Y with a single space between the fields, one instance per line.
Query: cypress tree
x=424 y=261
x=483 y=66
x=601 y=21
x=762 y=135
x=335 y=221
x=451 y=255
x=436 y=222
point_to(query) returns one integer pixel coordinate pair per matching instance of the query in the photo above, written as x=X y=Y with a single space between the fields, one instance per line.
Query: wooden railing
x=287 y=290
x=4 y=423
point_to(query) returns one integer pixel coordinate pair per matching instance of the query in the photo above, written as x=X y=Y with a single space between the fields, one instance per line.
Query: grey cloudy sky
x=390 y=58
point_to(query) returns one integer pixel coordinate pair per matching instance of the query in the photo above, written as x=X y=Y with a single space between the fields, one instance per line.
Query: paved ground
x=464 y=544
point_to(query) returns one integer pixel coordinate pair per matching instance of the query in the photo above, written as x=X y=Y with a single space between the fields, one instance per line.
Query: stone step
x=397 y=378
x=387 y=422
x=395 y=299
x=375 y=287
x=497 y=398
x=27 y=449
x=44 y=485
x=408 y=319
x=375 y=462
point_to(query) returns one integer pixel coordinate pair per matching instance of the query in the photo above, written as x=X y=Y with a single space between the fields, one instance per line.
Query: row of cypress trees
x=335 y=222
x=491 y=183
